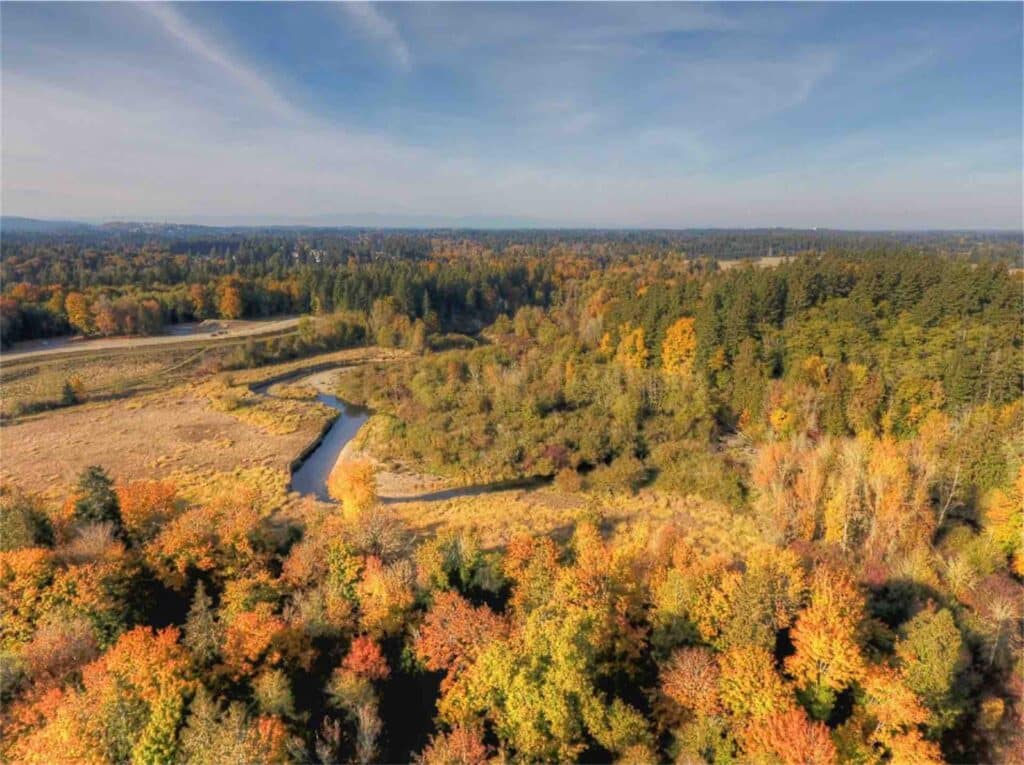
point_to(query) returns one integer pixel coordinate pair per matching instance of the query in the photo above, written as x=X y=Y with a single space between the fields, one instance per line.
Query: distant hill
x=13 y=223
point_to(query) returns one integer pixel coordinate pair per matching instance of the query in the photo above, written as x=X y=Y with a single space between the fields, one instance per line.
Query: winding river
x=310 y=476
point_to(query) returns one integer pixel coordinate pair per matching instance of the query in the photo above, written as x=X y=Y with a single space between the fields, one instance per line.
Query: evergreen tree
x=97 y=502
x=68 y=395
x=202 y=632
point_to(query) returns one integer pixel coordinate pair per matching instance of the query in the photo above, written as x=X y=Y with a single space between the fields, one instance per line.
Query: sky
x=857 y=116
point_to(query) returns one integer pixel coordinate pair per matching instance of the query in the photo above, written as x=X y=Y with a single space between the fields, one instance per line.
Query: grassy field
x=152 y=415
x=29 y=386
x=708 y=526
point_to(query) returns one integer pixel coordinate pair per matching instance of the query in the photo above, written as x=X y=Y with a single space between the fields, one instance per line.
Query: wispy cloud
x=381 y=29
x=176 y=26
x=605 y=114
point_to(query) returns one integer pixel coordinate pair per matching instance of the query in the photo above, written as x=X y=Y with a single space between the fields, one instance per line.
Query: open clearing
x=174 y=430
x=177 y=427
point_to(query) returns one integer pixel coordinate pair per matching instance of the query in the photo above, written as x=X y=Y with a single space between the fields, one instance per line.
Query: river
x=311 y=476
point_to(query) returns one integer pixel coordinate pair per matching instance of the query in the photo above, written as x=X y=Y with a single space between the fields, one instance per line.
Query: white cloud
x=379 y=28
x=143 y=154
x=176 y=26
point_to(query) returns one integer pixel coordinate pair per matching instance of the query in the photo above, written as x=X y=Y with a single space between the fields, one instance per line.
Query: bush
x=22 y=523
x=568 y=480
x=624 y=473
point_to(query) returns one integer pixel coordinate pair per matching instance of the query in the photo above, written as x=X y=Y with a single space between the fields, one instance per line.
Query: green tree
x=22 y=523
x=158 y=743
x=932 y=653
x=97 y=502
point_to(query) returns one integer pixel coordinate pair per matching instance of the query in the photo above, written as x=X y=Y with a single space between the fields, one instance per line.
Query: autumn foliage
x=788 y=529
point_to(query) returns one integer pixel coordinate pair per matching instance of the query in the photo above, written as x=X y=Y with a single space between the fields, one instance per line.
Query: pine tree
x=202 y=632
x=97 y=502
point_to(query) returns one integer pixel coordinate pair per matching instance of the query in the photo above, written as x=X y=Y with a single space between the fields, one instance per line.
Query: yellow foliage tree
x=354 y=484
x=77 y=307
x=749 y=686
x=632 y=350
x=680 y=345
x=827 y=657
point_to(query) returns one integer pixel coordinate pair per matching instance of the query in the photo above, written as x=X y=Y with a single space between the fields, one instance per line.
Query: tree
x=96 y=500
x=454 y=633
x=463 y=745
x=158 y=743
x=749 y=686
x=199 y=296
x=68 y=397
x=230 y=303
x=789 y=738
x=680 y=347
x=59 y=647
x=22 y=522
x=273 y=693
x=104 y=317
x=932 y=655
x=632 y=351
x=385 y=596
x=249 y=639
x=146 y=506
x=365 y=659
x=895 y=708
x=690 y=678
x=354 y=484
x=202 y=632
x=79 y=316
x=827 y=657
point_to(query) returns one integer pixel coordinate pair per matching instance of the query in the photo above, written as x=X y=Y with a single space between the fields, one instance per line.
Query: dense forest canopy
x=857 y=411
x=133 y=279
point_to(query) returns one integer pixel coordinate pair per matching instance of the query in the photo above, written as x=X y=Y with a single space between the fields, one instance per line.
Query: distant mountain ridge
x=14 y=223
x=375 y=222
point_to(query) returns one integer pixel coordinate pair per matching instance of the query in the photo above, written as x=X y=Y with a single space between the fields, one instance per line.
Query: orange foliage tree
x=454 y=633
x=789 y=738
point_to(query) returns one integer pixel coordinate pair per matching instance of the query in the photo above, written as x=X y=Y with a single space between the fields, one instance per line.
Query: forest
x=858 y=406
x=123 y=279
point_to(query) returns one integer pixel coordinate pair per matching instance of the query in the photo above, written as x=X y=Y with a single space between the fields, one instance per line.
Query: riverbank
x=395 y=483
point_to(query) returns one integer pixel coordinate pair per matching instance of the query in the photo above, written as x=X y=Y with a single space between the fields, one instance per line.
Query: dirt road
x=179 y=333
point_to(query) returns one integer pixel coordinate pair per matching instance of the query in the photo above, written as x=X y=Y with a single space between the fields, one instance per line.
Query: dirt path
x=219 y=330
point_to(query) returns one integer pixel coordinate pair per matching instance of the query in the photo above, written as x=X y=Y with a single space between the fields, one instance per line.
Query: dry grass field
x=499 y=516
x=30 y=384
x=147 y=436
x=165 y=418
x=174 y=423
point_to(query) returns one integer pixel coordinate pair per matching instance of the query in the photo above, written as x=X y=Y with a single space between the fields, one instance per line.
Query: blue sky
x=840 y=115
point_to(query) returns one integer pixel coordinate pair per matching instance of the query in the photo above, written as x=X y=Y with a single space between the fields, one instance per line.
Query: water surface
x=311 y=477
